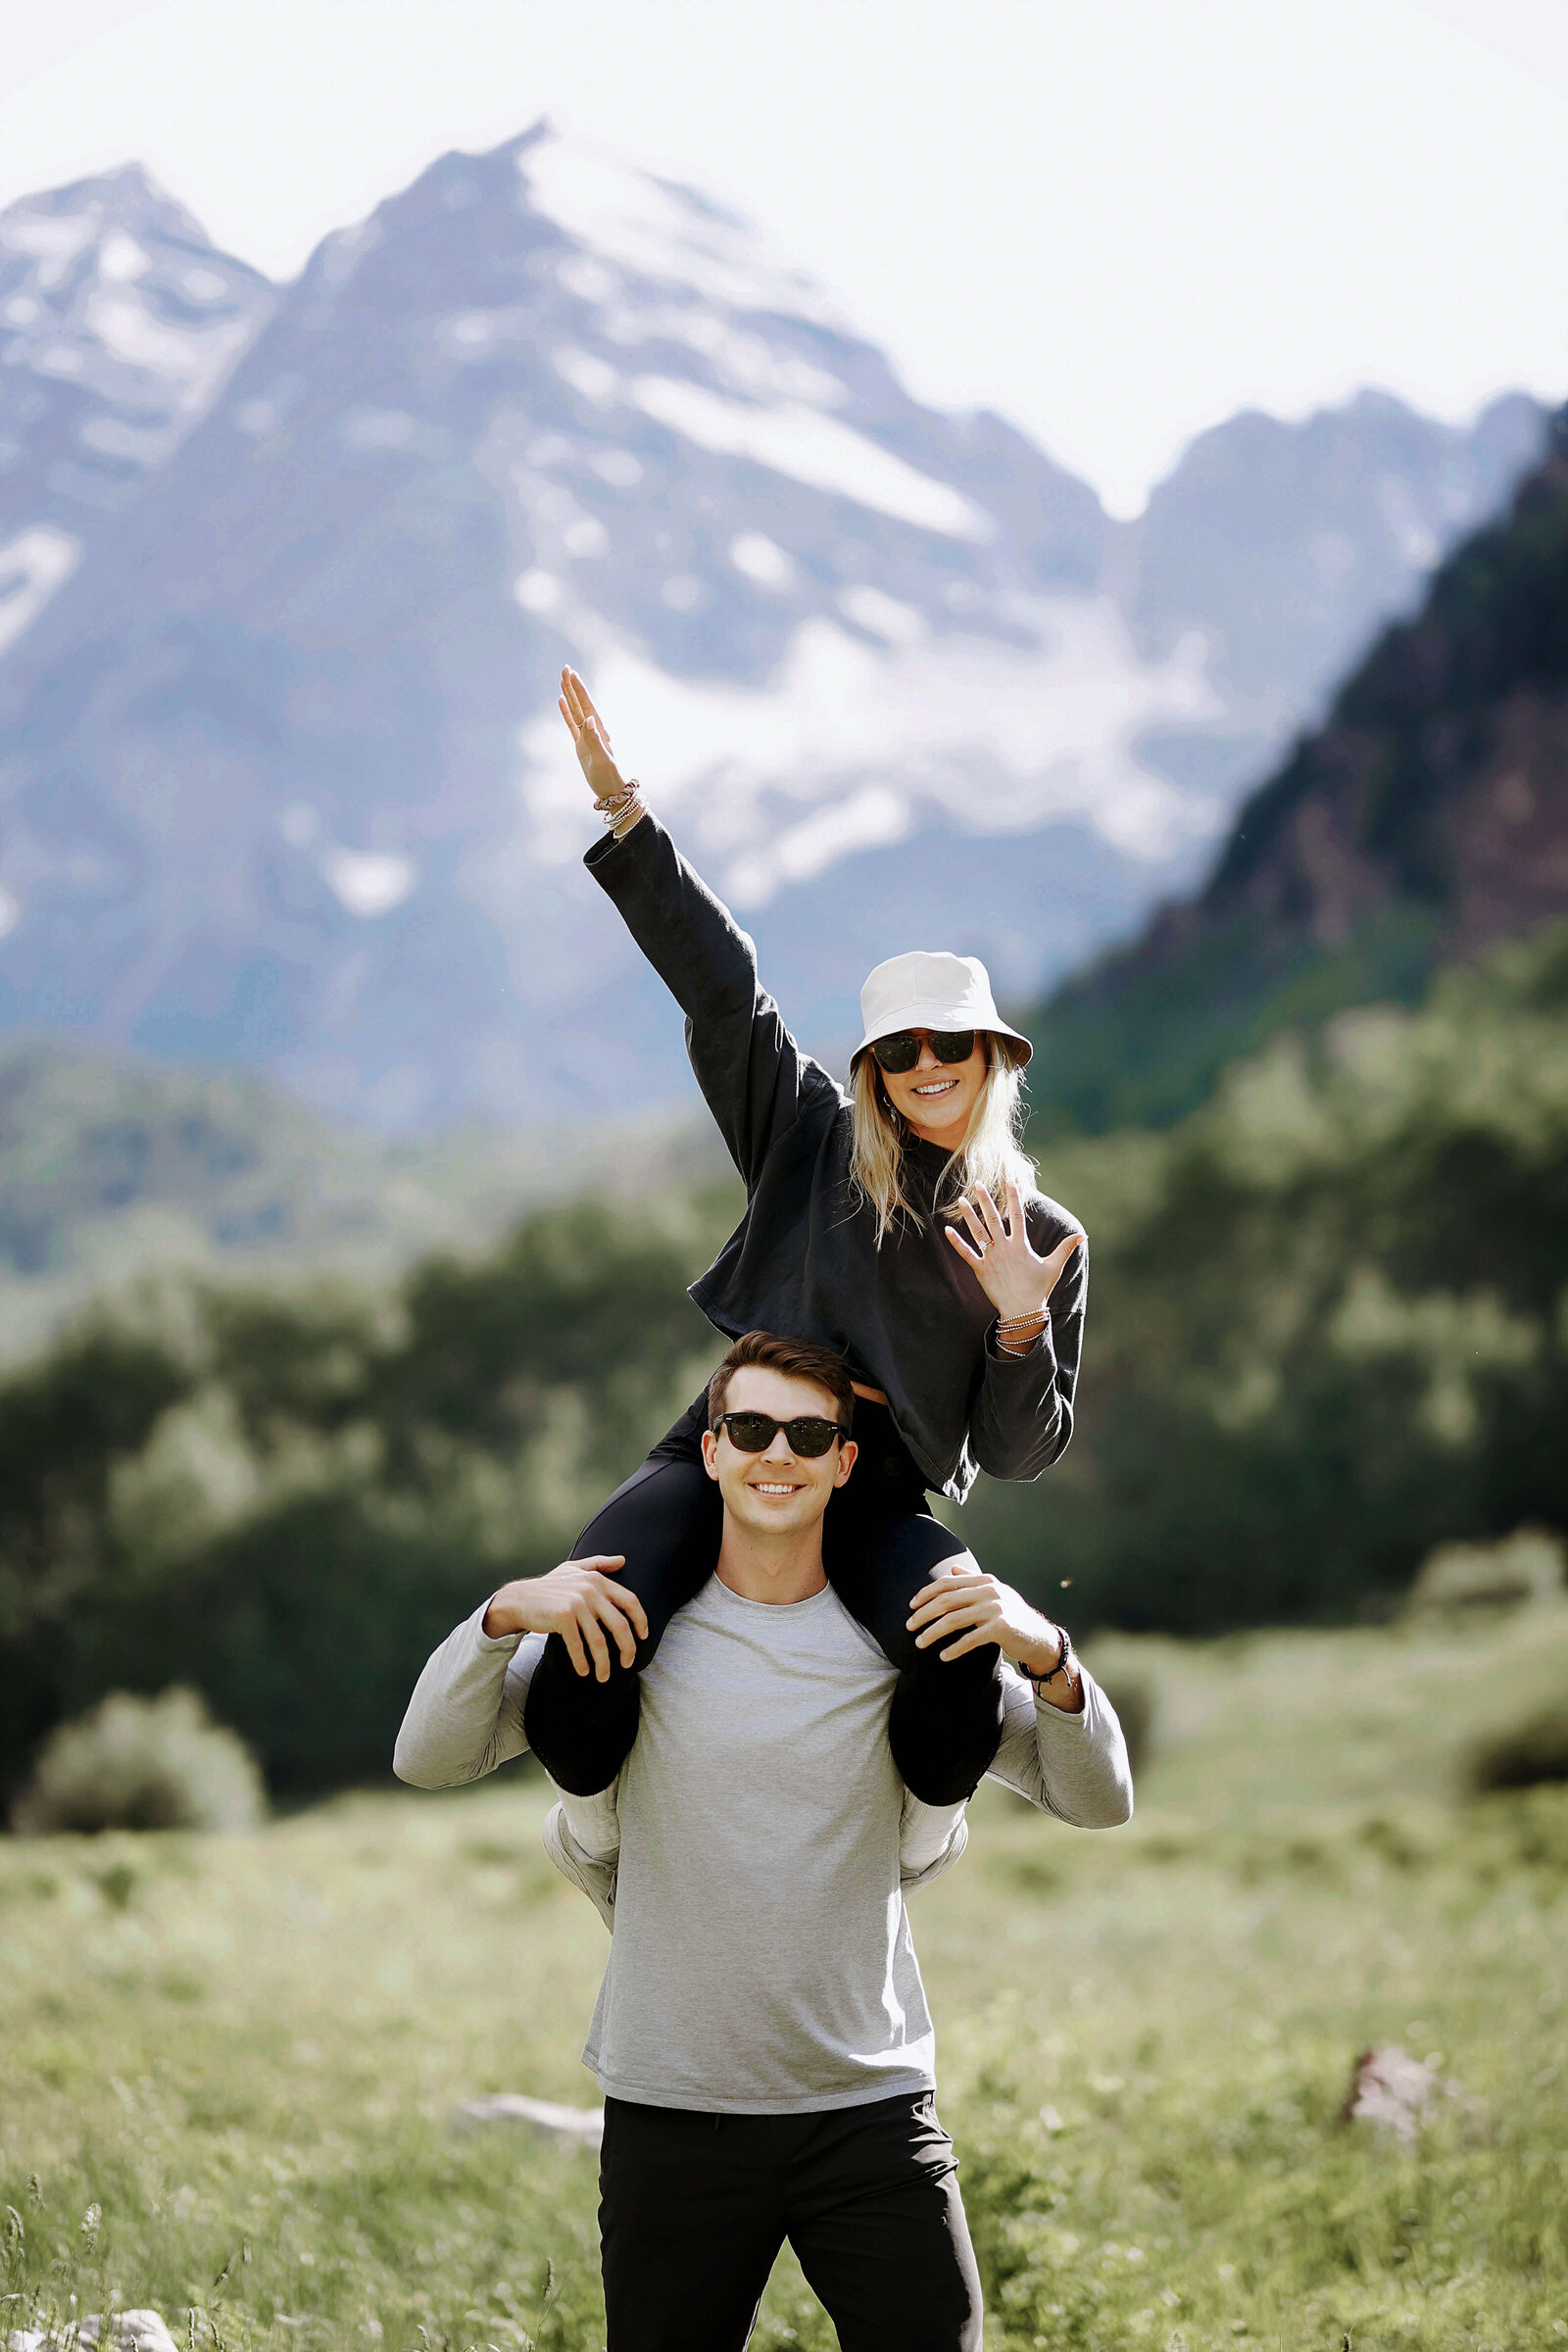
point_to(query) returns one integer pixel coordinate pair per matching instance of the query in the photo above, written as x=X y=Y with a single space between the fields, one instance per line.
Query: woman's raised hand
x=604 y=779
x=1014 y=1277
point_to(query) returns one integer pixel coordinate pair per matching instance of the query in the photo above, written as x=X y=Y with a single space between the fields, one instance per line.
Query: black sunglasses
x=809 y=1434
x=901 y=1051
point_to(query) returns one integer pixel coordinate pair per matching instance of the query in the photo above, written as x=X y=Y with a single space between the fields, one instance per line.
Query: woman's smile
x=938 y=1099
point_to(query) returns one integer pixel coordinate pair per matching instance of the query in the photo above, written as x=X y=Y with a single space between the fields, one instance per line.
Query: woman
x=959 y=1363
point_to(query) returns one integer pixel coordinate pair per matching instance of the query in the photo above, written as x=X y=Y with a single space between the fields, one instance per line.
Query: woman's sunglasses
x=752 y=1433
x=901 y=1051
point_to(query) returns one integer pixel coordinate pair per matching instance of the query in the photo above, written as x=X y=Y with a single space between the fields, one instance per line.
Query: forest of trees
x=1328 y=1329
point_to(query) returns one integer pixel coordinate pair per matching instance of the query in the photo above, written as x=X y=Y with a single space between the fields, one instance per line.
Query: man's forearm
x=1073 y=1764
x=462 y=1719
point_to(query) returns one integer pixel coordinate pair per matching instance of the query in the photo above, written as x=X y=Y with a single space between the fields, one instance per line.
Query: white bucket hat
x=928 y=991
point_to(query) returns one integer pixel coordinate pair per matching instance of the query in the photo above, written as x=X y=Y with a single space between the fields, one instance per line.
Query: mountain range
x=1425 y=818
x=287 y=574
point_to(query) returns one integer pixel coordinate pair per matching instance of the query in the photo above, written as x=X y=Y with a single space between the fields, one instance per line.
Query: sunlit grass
x=246 y=2052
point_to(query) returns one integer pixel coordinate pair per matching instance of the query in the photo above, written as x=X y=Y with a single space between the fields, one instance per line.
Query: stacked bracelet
x=1015 y=1334
x=625 y=803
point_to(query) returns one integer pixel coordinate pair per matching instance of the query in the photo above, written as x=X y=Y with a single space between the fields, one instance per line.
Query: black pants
x=879 y=1545
x=694 y=2208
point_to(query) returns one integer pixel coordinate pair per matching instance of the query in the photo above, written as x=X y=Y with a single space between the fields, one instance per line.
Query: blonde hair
x=989 y=1154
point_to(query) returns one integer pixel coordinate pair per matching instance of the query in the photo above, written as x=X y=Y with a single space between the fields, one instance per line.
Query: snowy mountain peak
x=658 y=230
x=119 y=322
x=888 y=672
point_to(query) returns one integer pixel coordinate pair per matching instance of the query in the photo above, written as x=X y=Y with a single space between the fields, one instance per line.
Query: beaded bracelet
x=612 y=811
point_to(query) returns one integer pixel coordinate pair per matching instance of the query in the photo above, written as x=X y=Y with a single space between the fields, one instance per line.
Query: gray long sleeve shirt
x=762 y=1961
x=909 y=1317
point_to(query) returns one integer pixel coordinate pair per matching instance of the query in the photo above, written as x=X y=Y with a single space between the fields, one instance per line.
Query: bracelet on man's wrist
x=1065 y=1660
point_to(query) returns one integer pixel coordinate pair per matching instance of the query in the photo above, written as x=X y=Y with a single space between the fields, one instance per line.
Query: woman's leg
x=667 y=1521
x=946 y=1723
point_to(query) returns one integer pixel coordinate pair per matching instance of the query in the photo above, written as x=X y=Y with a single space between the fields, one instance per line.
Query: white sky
x=1115 y=220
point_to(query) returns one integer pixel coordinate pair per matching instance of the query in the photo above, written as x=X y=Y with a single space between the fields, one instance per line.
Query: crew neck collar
x=773 y=1608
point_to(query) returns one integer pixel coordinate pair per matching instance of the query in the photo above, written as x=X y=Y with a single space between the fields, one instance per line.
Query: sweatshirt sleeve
x=465 y=1715
x=1022 y=1418
x=754 y=1076
x=1074 y=1766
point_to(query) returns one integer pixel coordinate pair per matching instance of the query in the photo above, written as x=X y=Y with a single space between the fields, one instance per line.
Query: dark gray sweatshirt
x=909 y=1318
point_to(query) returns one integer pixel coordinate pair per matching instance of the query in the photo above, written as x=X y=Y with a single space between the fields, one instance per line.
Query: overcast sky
x=1116 y=220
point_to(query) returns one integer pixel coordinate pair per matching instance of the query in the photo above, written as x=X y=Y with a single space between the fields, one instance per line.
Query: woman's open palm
x=596 y=760
x=1014 y=1277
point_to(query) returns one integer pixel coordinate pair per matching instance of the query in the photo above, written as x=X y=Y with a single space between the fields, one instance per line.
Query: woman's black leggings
x=879 y=1545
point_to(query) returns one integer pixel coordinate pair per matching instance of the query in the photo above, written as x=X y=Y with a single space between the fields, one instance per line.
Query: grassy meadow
x=229 y=2064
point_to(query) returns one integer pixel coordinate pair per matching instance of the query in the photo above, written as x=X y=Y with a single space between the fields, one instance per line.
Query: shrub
x=1528 y=1753
x=142 y=1764
x=1522 y=1567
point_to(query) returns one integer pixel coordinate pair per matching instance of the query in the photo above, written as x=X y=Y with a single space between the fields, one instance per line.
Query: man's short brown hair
x=797 y=1359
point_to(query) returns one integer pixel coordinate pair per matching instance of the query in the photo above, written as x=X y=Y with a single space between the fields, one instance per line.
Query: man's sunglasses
x=809 y=1434
x=901 y=1051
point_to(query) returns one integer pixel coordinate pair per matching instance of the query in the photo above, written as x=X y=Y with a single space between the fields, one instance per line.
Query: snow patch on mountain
x=33 y=566
x=661 y=232
x=852 y=744
x=810 y=448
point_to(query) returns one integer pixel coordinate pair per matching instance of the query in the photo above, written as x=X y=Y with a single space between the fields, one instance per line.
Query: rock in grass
x=127 y=2332
x=583 y=2126
x=1395 y=2091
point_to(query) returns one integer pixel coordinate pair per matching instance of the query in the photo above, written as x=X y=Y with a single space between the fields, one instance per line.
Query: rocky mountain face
x=1426 y=817
x=288 y=577
x=119 y=323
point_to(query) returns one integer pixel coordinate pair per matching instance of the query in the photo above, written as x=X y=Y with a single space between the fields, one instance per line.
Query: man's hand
x=964 y=1610
x=578 y=1601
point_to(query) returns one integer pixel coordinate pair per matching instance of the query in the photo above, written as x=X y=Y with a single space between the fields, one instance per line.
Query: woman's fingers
x=1056 y=1262
x=978 y=1233
x=584 y=711
x=1017 y=1222
x=991 y=1215
x=971 y=1257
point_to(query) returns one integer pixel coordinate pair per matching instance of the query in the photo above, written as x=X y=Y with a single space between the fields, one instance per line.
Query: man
x=761 y=2036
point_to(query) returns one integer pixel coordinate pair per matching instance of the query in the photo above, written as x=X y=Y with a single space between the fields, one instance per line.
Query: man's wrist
x=1052 y=1656
x=499 y=1622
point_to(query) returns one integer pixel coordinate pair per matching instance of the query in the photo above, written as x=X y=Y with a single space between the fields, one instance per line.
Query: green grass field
x=244 y=2053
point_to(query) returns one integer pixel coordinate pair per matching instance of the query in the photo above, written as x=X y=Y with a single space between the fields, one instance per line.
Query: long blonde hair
x=989 y=1154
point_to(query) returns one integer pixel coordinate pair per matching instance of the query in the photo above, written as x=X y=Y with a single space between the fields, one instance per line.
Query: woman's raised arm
x=754 y=1076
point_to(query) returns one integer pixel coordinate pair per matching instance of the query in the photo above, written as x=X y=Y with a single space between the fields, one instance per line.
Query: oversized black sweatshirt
x=909 y=1317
